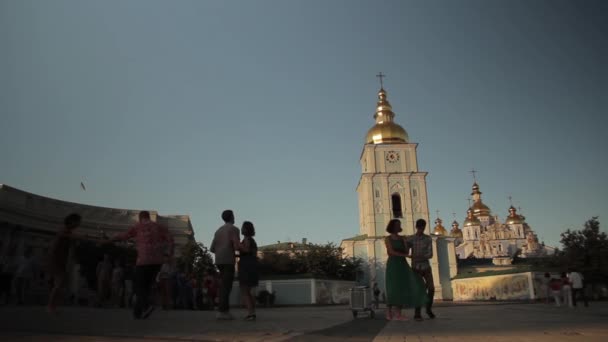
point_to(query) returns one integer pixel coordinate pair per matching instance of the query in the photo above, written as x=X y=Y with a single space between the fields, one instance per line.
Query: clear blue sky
x=191 y=107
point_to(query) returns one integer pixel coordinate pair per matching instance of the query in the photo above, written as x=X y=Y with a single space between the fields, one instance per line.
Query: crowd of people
x=154 y=278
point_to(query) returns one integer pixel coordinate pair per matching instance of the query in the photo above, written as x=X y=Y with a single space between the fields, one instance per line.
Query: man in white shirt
x=224 y=246
x=576 y=279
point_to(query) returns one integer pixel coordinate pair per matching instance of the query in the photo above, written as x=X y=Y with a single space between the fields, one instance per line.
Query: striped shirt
x=422 y=250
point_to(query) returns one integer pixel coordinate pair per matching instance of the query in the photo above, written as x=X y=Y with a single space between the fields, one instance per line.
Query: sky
x=193 y=107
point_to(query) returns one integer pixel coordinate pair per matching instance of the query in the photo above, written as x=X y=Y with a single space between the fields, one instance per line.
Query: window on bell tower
x=396 y=202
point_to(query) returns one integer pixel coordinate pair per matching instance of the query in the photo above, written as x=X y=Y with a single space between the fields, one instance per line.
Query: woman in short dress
x=248 y=268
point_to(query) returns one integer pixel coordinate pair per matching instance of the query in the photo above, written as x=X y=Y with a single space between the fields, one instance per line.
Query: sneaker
x=224 y=316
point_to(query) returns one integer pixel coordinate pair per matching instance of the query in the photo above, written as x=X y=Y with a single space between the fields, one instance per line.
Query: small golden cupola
x=385 y=131
x=479 y=208
x=456 y=232
x=471 y=220
x=513 y=217
x=439 y=228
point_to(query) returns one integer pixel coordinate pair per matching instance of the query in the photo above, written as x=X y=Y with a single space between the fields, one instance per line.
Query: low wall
x=517 y=286
x=301 y=291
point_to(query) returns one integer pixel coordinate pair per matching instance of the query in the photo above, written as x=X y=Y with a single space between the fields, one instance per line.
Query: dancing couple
x=225 y=245
x=408 y=286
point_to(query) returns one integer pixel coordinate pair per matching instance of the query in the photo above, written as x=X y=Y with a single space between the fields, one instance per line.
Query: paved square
x=454 y=322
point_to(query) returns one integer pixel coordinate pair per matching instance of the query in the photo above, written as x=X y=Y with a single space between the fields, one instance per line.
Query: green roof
x=365 y=237
x=357 y=238
x=283 y=246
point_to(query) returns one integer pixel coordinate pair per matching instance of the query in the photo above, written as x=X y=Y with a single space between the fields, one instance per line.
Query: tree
x=196 y=259
x=273 y=263
x=328 y=261
x=587 y=250
x=323 y=261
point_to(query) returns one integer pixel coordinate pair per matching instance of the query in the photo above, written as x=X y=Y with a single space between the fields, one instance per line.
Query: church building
x=392 y=187
x=484 y=236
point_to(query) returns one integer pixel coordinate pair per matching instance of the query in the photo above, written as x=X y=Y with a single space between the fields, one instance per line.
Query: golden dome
x=479 y=209
x=456 y=233
x=385 y=131
x=513 y=217
x=471 y=220
x=439 y=228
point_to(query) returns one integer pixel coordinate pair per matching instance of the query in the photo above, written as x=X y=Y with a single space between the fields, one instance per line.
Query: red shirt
x=152 y=242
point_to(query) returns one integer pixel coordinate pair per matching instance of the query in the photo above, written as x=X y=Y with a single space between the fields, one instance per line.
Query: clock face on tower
x=392 y=157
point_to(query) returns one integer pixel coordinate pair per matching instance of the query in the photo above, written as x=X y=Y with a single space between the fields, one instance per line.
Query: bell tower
x=391 y=186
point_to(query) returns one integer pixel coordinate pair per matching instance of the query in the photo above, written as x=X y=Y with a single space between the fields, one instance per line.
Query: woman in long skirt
x=404 y=288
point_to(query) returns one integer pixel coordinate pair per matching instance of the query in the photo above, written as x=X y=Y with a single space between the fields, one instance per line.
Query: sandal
x=251 y=317
x=400 y=317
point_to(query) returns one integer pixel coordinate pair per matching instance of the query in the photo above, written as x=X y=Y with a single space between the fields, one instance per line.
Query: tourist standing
x=23 y=276
x=248 y=268
x=118 y=283
x=59 y=254
x=163 y=283
x=546 y=290
x=403 y=287
x=152 y=241
x=129 y=275
x=210 y=285
x=224 y=246
x=576 y=279
x=104 y=279
x=421 y=246
x=6 y=279
x=556 y=290
x=566 y=290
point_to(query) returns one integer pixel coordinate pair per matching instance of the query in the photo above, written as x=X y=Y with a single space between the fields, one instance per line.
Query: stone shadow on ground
x=357 y=330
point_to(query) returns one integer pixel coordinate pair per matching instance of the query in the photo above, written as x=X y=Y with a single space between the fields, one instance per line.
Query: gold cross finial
x=510 y=200
x=381 y=76
x=473 y=171
x=469 y=199
x=437 y=211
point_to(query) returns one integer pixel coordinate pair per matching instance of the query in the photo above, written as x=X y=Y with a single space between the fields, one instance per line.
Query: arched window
x=396 y=202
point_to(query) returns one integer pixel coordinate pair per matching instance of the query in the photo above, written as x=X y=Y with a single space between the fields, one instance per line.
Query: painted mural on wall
x=500 y=287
